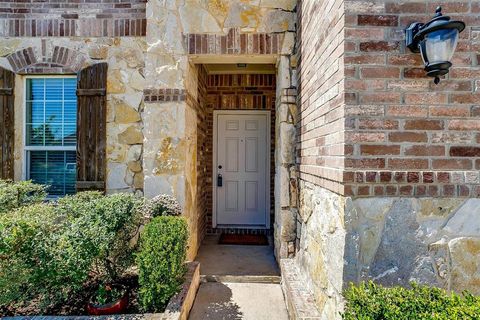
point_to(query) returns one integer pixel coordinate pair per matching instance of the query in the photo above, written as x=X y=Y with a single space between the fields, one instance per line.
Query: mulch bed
x=244 y=239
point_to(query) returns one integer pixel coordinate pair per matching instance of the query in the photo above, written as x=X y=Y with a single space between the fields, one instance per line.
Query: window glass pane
x=54 y=89
x=38 y=166
x=35 y=134
x=35 y=112
x=70 y=85
x=70 y=111
x=36 y=89
x=53 y=134
x=69 y=134
x=54 y=168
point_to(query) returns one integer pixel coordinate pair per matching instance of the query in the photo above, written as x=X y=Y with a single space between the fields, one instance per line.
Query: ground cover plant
x=57 y=256
x=369 y=301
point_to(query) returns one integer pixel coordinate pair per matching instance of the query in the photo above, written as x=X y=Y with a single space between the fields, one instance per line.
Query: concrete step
x=240 y=279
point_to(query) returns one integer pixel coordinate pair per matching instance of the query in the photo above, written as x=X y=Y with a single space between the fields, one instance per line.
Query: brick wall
x=239 y=92
x=320 y=48
x=406 y=136
x=203 y=178
x=89 y=18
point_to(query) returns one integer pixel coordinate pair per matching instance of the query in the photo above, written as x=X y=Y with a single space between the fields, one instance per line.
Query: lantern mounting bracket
x=416 y=38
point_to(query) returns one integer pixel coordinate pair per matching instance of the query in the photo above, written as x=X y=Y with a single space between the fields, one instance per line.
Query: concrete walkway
x=231 y=260
x=245 y=283
x=252 y=301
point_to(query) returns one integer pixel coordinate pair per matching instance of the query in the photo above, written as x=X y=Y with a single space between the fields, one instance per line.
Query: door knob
x=219 y=180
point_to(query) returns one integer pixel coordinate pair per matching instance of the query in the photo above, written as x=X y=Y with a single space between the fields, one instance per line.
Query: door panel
x=242 y=161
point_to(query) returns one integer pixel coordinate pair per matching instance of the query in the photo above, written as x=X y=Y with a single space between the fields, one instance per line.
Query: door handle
x=219 y=180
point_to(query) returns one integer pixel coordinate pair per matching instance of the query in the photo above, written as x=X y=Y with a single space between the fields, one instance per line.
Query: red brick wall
x=405 y=135
x=200 y=106
x=92 y=18
x=240 y=92
x=320 y=93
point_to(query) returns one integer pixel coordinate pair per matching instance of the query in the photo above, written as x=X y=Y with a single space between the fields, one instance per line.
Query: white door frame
x=268 y=177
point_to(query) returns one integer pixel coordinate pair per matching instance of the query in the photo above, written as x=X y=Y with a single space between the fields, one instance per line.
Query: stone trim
x=234 y=42
x=164 y=95
x=63 y=60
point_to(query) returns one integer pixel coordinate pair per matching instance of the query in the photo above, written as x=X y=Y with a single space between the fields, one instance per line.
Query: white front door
x=241 y=161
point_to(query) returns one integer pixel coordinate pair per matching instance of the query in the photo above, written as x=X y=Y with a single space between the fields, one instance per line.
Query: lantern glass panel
x=440 y=45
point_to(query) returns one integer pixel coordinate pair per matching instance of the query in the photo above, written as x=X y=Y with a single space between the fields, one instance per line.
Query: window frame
x=27 y=148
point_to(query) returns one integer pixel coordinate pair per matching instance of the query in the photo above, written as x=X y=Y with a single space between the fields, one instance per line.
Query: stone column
x=285 y=169
x=169 y=122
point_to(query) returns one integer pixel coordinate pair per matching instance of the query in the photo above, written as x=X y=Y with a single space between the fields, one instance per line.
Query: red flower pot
x=110 y=308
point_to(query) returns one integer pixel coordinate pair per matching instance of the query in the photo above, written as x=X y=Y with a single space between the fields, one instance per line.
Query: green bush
x=161 y=261
x=162 y=205
x=52 y=249
x=369 y=301
x=18 y=194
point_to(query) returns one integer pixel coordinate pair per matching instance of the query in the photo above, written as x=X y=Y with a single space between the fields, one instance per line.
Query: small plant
x=108 y=294
x=161 y=261
x=368 y=301
x=162 y=205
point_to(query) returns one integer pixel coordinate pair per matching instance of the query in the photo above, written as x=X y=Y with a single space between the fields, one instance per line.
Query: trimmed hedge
x=369 y=301
x=161 y=261
x=48 y=251
x=19 y=194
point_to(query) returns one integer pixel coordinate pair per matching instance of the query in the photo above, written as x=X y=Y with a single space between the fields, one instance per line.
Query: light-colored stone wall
x=392 y=241
x=125 y=83
x=321 y=233
x=398 y=240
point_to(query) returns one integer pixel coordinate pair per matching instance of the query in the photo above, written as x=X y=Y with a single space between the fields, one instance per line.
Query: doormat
x=244 y=239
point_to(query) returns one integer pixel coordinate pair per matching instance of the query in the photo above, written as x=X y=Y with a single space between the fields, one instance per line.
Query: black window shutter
x=91 y=127
x=7 y=121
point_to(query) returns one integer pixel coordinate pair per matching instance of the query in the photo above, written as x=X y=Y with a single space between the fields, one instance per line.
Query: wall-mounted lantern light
x=436 y=40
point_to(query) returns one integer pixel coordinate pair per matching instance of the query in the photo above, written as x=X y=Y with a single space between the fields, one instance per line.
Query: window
x=50 y=133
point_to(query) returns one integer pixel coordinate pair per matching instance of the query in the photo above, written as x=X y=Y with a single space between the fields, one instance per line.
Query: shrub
x=369 y=301
x=56 y=247
x=24 y=251
x=162 y=205
x=18 y=194
x=161 y=261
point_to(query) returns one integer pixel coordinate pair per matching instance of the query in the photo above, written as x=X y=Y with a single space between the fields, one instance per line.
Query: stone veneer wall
x=125 y=57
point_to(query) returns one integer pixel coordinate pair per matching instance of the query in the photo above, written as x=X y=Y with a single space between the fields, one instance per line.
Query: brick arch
x=59 y=60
